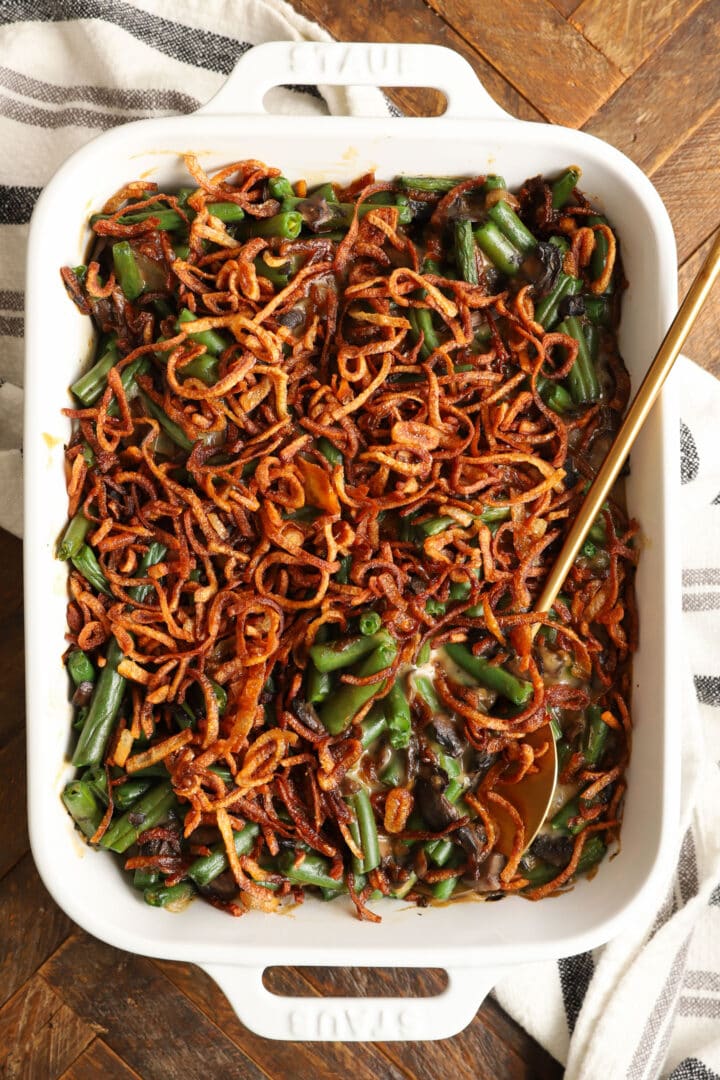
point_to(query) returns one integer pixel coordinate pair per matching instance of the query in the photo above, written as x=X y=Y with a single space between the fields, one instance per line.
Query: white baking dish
x=471 y=940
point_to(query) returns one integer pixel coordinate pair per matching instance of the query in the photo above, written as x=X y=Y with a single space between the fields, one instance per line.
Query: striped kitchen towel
x=647 y=1004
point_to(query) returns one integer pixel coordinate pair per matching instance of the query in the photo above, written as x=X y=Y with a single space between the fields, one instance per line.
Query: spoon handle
x=634 y=420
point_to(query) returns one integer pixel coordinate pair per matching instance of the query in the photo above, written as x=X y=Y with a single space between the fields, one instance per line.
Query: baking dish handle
x=336 y=63
x=347 y=1019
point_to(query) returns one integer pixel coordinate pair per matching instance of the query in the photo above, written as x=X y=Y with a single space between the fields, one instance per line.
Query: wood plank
x=301 y=1061
x=413 y=20
x=545 y=58
x=689 y=183
x=565 y=7
x=628 y=31
x=12 y=673
x=147 y=1021
x=480 y=1043
x=99 y=1061
x=669 y=97
x=39 y=1034
x=33 y=926
x=702 y=343
x=13 y=820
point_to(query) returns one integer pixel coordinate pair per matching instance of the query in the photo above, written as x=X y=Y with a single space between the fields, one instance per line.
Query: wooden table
x=642 y=75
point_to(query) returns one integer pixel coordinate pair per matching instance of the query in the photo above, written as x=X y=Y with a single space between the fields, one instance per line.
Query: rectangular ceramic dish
x=471 y=940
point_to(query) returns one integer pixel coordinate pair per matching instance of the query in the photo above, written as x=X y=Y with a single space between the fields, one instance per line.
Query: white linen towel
x=647 y=1004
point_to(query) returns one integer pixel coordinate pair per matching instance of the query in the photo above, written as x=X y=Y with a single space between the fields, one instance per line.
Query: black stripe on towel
x=575 y=974
x=692 y=1069
x=16 y=204
x=707 y=688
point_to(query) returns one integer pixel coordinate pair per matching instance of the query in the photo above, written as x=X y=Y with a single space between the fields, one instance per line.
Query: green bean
x=74 y=537
x=326 y=192
x=368 y=830
x=167 y=219
x=600 y=251
x=592 y=853
x=82 y=806
x=341 y=654
x=127 y=270
x=280 y=187
x=181 y=250
x=494 y=182
x=106 y=700
x=393 y=773
x=539 y=873
x=90 y=386
x=143 y=879
x=149 y=811
x=369 y=623
x=127 y=794
x=435 y=525
x=276 y=274
x=597 y=310
x=439 y=850
x=319 y=685
x=454 y=790
x=155 y=553
x=128 y=376
x=595 y=735
x=163 y=895
x=501 y=253
x=228 y=212
x=555 y=726
x=86 y=562
x=214 y=343
x=514 y=229
x=343 y=575
x=422 y=326
x=554 y=395
x=397 y=711
x=564 y=186
x=465 y=254
x=460 y=590
x=313 y=870
x=443 y=890
x=374 y=725
x=490 y=675
x=546 y=312
x=592 y=337
x=402 y=890
x=207 y=867
x=329 y=451
x=439 y=184
x=425 y=689
x=582 y=377
x=344 y=213
x=79 y=667
x=562 y=820
x=434 y=607
x=286 y=224
x=171 y=429
x=338 y=711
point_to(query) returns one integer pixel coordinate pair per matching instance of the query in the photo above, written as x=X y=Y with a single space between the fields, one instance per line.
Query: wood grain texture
x=702 y=342
x=32 y=925
x=669 y=97
x=147 y=1021
x=301 y=1061
x=12 y=690
x=628 y=31
x=13 y=820
x=413 y=20
x=98 y=1062
x=689 y=183
x=545 y=58
x=39 y=1035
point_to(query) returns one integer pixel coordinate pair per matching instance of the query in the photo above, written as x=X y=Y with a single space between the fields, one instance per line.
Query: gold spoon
x=533 y=796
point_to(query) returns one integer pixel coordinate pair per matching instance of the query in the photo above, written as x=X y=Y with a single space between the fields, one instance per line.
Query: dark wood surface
x=642 y=74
